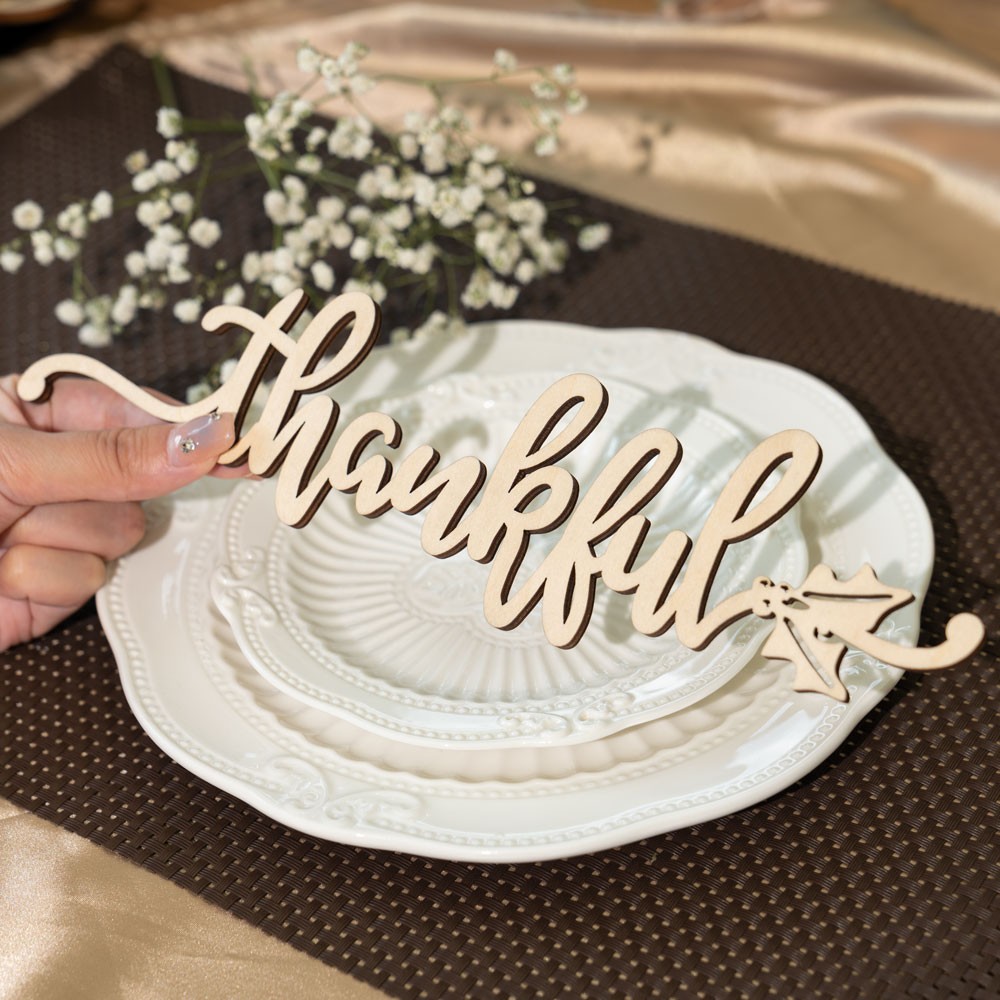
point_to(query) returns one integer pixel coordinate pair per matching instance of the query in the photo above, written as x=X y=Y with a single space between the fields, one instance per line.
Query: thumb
x=121 y=463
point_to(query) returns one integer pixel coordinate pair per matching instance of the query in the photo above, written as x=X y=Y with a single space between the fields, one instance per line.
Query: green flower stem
x=203 y=178
x=450 y=278
x=206 y=125
x=164 y=82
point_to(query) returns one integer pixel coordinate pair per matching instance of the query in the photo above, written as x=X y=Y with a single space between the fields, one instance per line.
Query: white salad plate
x=352 y=617
x=199 y=698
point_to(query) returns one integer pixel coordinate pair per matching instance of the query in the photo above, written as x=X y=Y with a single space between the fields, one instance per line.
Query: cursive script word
x=528 y=493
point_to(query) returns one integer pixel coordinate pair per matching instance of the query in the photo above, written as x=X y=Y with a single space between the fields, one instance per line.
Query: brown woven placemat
x=875 y=876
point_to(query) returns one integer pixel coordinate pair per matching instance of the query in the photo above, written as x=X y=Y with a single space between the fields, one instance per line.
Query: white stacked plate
x=346 y=684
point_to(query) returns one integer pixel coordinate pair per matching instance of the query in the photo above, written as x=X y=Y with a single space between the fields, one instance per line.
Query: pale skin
x=73 y=471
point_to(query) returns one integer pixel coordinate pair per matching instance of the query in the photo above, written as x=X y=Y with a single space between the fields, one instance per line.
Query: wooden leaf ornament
x=815 y=620
x=494 y=514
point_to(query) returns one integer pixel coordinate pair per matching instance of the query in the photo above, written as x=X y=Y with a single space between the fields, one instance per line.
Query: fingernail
x=195 y=442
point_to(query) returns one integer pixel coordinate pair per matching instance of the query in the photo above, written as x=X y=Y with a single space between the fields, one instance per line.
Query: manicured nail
x=198 y=440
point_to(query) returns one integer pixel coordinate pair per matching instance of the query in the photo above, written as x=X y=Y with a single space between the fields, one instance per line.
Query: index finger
x=81 y=404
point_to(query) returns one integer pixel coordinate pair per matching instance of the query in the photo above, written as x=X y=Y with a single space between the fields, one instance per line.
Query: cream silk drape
x=843 y=131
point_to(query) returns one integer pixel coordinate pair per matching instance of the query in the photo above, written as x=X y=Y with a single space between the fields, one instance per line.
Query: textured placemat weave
x=875 y=876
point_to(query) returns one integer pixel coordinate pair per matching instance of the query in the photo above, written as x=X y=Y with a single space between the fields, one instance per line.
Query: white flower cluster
x=553 y=87
x=429 y=210
x=269 y=135
x=59 y=240
x=430 y=198
x=341 y=74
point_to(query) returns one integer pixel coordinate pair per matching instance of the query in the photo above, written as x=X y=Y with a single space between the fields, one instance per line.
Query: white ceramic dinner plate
x=352 y=617
x=197 y=696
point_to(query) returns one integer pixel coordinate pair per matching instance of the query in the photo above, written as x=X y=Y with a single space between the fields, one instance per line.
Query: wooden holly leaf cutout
x=819 y=620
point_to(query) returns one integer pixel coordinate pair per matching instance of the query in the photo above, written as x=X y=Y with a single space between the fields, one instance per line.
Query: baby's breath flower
x=184 y=156
x=234 y=295
x=137 y=161
x=361 y=84
x=528 y=211
x=11 y=261
x=188 y=310
x=526 y=271
x=153 y=211
x=157 y=254
x=153 y=298
x=94 y=335
x=308 y=59
x=505 y=61
x=182 y=202
x=400 y=217
x=283 y=284
x=341 y=235
x=70 y=312
x=102 y=206
x=41 y=247
x=126 y=305
x=295 y=189
x=65 y=248
x=135 y=263
x=169 y=123
x=549 y=119
x=169 y=233
x=276 y=207
x=28 y=215
x=322 y=275
x=576 y=103
x=359 y=215
x=351 y=138
x=356 y=51
x=424 y=258
x=476 y=294
x=361 y=249
x=503 y=296
x=564 y=74
x=594 y=236
x=250 y=269
x=166 y=172
x=546 y=145
x=484 y=153
x=309 y=163
x=317 y=136
x=330 y=208
x=144 y=181
x=73 y=220
x=177 y=273
x=375 y=289
x=204 y=232
x=197 y=392
x=409 y=147
x=545 y=90
x=313 y=229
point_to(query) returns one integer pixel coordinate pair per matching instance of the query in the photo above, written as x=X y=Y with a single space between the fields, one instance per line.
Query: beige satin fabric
x=76 y=921
x=839 y=130
x=854 y=137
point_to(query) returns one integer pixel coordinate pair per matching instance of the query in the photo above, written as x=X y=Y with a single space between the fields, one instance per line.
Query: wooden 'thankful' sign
x=528 y=493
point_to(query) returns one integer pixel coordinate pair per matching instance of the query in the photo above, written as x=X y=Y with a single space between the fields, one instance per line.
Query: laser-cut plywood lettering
x=494 y=514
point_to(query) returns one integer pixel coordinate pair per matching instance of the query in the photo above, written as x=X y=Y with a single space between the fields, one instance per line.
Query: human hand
x=72 y=473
